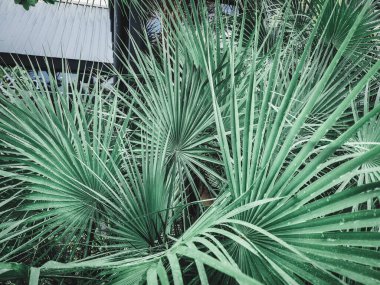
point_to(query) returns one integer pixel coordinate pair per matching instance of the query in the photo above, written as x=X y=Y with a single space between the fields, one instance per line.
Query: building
x=75 y=31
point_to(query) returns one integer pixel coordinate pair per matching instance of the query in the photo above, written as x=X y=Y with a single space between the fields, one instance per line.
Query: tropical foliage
x=244 y=149
x=28 y=3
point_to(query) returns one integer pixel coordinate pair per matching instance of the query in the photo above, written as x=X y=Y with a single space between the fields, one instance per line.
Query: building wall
x=64 y=30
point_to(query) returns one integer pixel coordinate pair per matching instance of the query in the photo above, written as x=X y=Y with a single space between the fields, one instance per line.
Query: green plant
x=28 y=3
x=274 y=130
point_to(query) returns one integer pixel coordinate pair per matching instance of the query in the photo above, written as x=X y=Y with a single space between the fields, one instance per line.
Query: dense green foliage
x=28 y=3
x=245 y=149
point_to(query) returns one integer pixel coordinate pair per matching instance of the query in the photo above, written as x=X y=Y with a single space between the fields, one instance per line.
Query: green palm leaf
x=287 y=131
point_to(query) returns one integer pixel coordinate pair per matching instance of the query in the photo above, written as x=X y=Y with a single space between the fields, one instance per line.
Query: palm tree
x=272 y=110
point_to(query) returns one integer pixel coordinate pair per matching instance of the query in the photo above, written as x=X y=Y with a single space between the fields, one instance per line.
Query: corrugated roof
x=99 y=3
x=63 y=30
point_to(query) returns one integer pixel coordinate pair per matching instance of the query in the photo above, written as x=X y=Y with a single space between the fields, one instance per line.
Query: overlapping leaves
x=299 y=194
